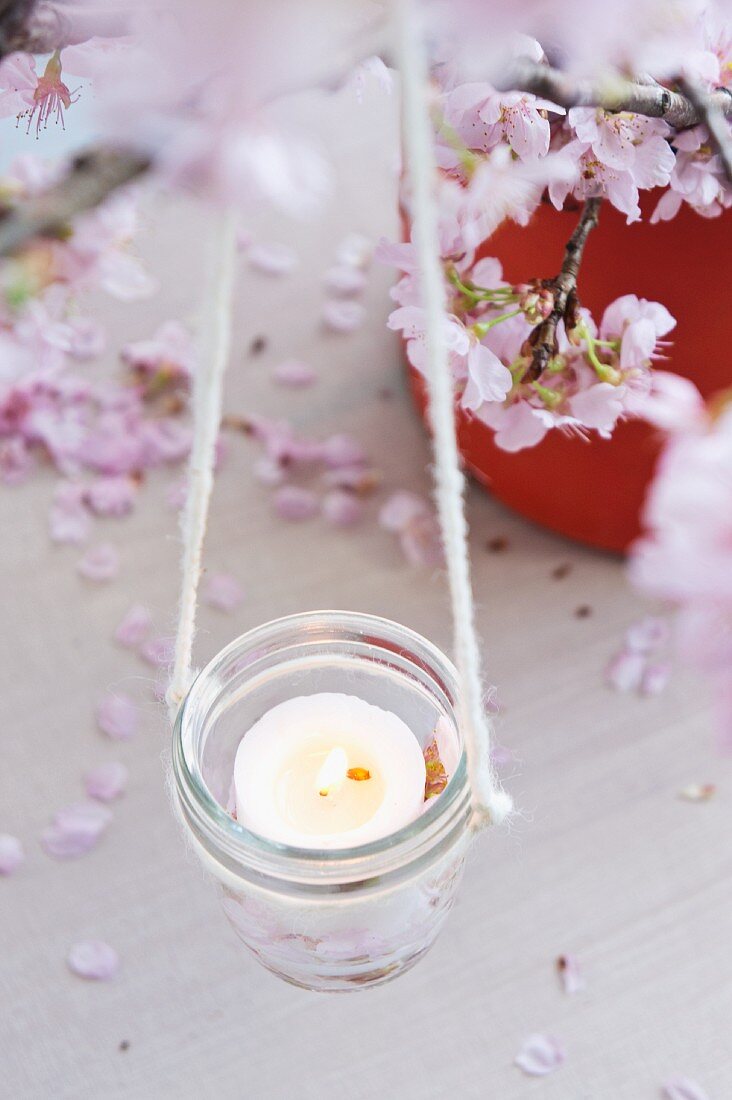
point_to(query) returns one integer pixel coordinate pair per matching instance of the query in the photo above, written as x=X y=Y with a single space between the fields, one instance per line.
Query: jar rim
x=228 y=841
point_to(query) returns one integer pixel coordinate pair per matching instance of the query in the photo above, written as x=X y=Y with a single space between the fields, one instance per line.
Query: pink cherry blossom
x=294 y=374
x=75 y=830
x=600 y=406
x=540 y=1055
x=343 y=315
x=11 y=854
x=223 y=592
x=93 y=959
x=672 y=403
x=684 y=555
x=483 y=118
x=628 y=142
x=697 y=178
x=134 y=627
x=594 y=179
x=292 y=502
x=639 y=324
x=100 y=563
x=117 y=716
x=372 y=69
x=273 y=258
x=516 y=426
x=341 y=508
x=18 y=82
x=106 y=781
x=488 y=379
x=43 y=98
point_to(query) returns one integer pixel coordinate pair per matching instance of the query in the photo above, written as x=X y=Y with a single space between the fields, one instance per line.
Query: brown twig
x=543 y=339
x=93 y=176
x=650 y=99
x=710 y=113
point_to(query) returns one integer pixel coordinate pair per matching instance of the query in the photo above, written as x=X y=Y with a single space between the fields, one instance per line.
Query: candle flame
x=333 y=771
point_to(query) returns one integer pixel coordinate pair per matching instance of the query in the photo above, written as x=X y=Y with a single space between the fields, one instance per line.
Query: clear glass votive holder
x=340 y=919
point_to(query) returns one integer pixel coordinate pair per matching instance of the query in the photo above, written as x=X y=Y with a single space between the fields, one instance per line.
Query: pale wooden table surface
x=605 y=861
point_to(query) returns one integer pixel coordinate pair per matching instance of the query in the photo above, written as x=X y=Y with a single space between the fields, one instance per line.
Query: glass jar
x=325 y=920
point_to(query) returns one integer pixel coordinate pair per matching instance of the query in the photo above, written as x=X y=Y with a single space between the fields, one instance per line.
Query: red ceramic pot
x=593 y=491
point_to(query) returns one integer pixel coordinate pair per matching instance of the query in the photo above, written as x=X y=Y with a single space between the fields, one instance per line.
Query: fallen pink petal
x=341 y=508
x=540 y=1055
x=401 y=509
x=624 y=672
x=357 y=479
x=272 y=259
x=75 y=830
x=134 y=627
x=118 y=716
x=100 y=563
x=683 y=1088
x=294 y=374
x=106 y=781
x=222 y=591
x=344 y=281
x=698 y=792
x=343 y=315
x=112 y=496
x=11 y=854
x=158 y=651
x=342 y=451
x=294 y=503
x=175 y=497
x=647 y=634
x=570 y=974
x=655 y=679
x=355 y=250
x=268 y=471
x=94 y=960
x=69 y=518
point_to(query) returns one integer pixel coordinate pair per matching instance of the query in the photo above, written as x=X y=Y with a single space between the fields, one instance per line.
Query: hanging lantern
x=347 y=915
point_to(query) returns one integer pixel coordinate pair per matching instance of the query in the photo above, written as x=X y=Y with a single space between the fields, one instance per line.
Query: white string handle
x=214 y=342
x=490 y=803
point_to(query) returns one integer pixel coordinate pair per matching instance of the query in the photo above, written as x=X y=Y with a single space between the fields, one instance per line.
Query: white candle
x=328 y=771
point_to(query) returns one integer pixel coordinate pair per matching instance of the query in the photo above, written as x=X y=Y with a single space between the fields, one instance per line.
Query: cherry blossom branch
x=650 y=99
x=93 y=176
x=543 y=339
x=715 y=121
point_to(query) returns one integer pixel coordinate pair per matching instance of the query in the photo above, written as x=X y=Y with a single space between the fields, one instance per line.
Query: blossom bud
x=535 y=300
